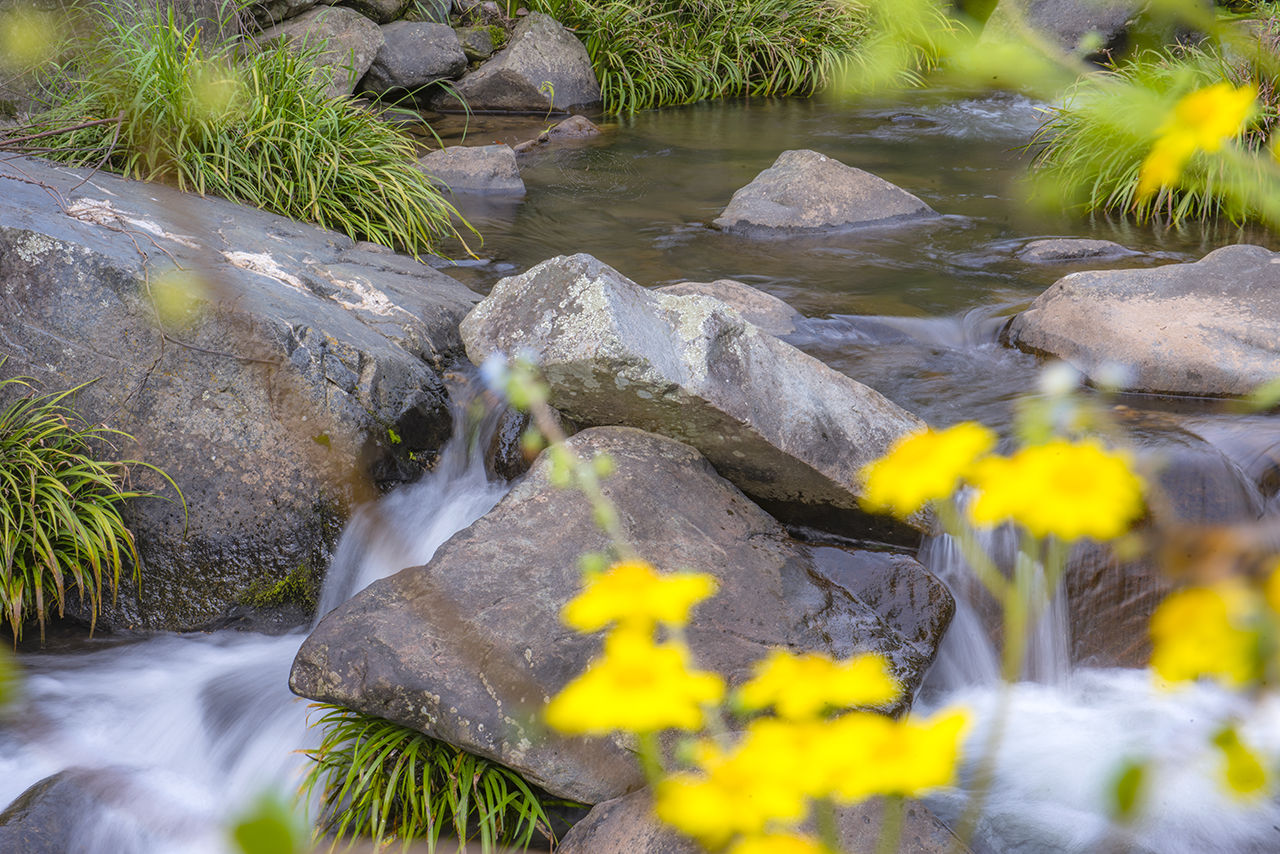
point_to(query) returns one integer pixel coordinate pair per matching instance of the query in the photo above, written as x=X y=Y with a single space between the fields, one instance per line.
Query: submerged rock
x=1206 y=328
x=782 y=426
x=469 y=647
x=766 y=311
x=414 y=55
x=544 y=68
x=1059 y=249
x=626 y=826
x=351 y=41
x=474 y=169
x=807 y=191
x=274 y=388
x=571 y=129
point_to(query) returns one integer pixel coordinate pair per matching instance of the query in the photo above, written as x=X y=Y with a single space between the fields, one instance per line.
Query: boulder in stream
x=414 y=55
x=1072 y=249
x=469 y=647
x=474 y=169
x=293 y=365
x=807 y=191
x=782 y=426
x=1208 y=328
x=350 y=40
x=766 y=311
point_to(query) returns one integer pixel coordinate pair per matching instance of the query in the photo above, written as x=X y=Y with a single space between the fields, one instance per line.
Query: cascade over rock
x=469 y=647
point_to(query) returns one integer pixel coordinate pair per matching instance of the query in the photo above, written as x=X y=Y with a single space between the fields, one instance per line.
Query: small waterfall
x=177 y=733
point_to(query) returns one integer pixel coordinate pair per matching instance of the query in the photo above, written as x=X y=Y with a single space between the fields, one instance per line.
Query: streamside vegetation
x=386 y=781
x=61 y=532
x=150 y=98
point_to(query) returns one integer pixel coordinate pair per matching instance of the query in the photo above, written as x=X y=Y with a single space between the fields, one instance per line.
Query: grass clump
x=387 y=781
x=1089 y=151
x=229 y=120
x=653 y=53
x=60 y=524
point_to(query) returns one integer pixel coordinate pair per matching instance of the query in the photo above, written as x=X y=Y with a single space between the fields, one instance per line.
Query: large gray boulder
x=626 y=825
x=350 y=43
x=807 y=191
x=474 y=169
x=1073 y=25
x=380 y=11
x=267 y=13
x=470 y=646
x=267 y=399
x=1207 y=328
x=766 y=311
x=414 y=55
x=544 y=68
x=783 y=427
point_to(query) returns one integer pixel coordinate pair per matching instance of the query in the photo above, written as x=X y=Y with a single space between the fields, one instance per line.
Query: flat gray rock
x=414 y=55
x=1070 y=249
x=766 y=311
x=469 y=647
x=268 y=398
x=351 y=41
x=807 y=191
x=379 y=11
x=1206 y=328
x=782 y=426
x=544 y=68
x=474 y=169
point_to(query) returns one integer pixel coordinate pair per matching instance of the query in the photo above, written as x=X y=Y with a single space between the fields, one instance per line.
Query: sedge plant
x=383 y=780
x=153 y=99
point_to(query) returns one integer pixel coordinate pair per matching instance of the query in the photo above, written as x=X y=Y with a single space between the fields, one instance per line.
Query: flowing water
x=190 y=728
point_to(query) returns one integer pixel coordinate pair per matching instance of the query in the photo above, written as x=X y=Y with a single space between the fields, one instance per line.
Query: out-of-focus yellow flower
x=744 y=791
x=924 y=467
x=1067 y=489
x=633 y=593
x=879 y=756
x=636 y=686
x=804 y=686
x=1272 y=589
x=1202 y=631
x=1201 y=121
x=779 y=843
x=1243 y=772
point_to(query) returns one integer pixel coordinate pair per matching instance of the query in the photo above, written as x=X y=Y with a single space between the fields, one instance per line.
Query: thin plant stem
x=891 y=818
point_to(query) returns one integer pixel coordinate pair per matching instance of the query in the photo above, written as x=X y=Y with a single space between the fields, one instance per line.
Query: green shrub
x=652 y=53
x=1089 y=151
x=388 y=781
x=250 y=126
x=60 y=524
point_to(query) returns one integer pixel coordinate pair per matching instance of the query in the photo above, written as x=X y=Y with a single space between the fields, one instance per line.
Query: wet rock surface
x=470 y=646
x=1070 y=249
x=779 y=424
x=475 y=169
x=281 y=378
x=1211 y=327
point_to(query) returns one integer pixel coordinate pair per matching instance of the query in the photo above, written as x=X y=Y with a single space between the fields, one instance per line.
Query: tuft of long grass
x=653 y=53
x=248 y=125
x=60 y=524
x=1089 y=151
x=386 y=781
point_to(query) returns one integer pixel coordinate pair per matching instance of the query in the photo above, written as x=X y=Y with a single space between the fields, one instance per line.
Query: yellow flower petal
x=806 y=685
x=923 y=467
x=633 y=592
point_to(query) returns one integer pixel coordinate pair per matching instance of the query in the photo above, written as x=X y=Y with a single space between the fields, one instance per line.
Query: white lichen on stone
x=264 y=265
x=100 y=212
x=365 y=297
x=34 y=247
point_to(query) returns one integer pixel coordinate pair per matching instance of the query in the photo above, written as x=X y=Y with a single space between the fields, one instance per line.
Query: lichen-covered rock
x=543 y=68
x=474 y=169
x=807 y=191
x=766 y=311
x=469 y=647
x=414 y=55
x=267 y=397
x=783 y=427
x=1207 y=328
x=351 y=41
x=477 y=43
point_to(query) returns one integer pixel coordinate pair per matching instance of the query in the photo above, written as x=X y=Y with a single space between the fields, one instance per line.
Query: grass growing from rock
x=653 y=53
x=60 y=524
x=1090 y=150
x=228 y=120
x=386 y=781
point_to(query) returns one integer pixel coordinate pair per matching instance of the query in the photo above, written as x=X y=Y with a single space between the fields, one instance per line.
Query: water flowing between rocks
x=188 y=729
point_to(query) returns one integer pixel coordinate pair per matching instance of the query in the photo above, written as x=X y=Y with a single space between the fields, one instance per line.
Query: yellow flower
x=879 y=756
x=1242 y=771
x=1272 y=589
x=633 y=593
x=804 y=686
x=1200 y=632
x=778 y=843
x=1070 y=490
x=923 y=467
x=636 y=686
x=1201 y=121
x=742 y=791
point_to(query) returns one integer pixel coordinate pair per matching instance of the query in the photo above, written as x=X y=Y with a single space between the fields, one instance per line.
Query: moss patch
x=297 y=588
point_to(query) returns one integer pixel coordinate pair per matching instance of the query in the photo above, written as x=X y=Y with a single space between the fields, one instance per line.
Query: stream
x=191 y=728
